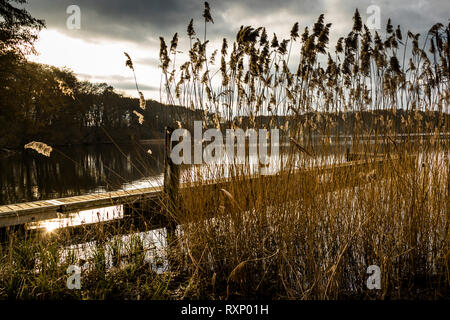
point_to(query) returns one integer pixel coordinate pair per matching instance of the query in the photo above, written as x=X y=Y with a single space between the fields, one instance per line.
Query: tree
x=18 y=32
x=18 y=29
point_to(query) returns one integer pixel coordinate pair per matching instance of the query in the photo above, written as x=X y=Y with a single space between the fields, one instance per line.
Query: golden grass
x=310 y=235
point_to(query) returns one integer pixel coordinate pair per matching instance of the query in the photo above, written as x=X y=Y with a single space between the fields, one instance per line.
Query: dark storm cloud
x=142 y=22
x=138 y=20
x=153 y=62
x=413 y=15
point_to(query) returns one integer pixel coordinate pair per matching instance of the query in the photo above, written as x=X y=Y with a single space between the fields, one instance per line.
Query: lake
x=77 y=170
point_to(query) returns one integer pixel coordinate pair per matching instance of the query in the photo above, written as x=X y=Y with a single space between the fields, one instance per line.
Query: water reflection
x=70 y=171
x=79 y=170
x=153 y=242
x=79 y=218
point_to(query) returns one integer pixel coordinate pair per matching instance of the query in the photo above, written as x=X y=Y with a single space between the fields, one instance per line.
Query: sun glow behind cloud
x=101 y=61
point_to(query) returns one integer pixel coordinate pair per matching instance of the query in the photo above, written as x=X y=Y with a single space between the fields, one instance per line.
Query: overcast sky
x=110 y=27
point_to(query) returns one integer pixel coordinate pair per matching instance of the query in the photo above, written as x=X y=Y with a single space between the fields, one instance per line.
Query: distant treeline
x=361 y=122
x=49 y=104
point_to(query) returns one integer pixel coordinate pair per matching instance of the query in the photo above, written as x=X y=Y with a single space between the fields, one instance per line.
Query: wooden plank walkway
x=38 y=210
x=21 y=213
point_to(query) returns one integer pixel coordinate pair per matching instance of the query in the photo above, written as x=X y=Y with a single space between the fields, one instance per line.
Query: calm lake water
x=70 y=171
x=78 y=170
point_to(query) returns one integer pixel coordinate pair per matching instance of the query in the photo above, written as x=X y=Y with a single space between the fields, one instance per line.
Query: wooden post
x=171 y=185
x=3 y=233
x=347 y=154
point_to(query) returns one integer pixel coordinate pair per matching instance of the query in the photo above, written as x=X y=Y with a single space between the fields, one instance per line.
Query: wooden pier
x=164 y=198
x=26 y=212
x=22 y=213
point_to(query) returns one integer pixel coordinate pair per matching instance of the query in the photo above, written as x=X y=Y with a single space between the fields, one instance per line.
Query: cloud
x=140 y=20
x=139 y=23
x=144 y=21
x=152 y=62
x=117 y=81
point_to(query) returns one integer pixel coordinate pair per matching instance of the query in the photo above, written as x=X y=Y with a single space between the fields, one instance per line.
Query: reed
x=292 y=236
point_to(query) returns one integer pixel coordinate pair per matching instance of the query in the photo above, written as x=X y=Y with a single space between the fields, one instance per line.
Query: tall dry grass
x=307 y=235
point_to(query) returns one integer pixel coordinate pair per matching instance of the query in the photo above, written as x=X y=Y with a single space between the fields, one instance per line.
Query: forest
x=46 y=103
